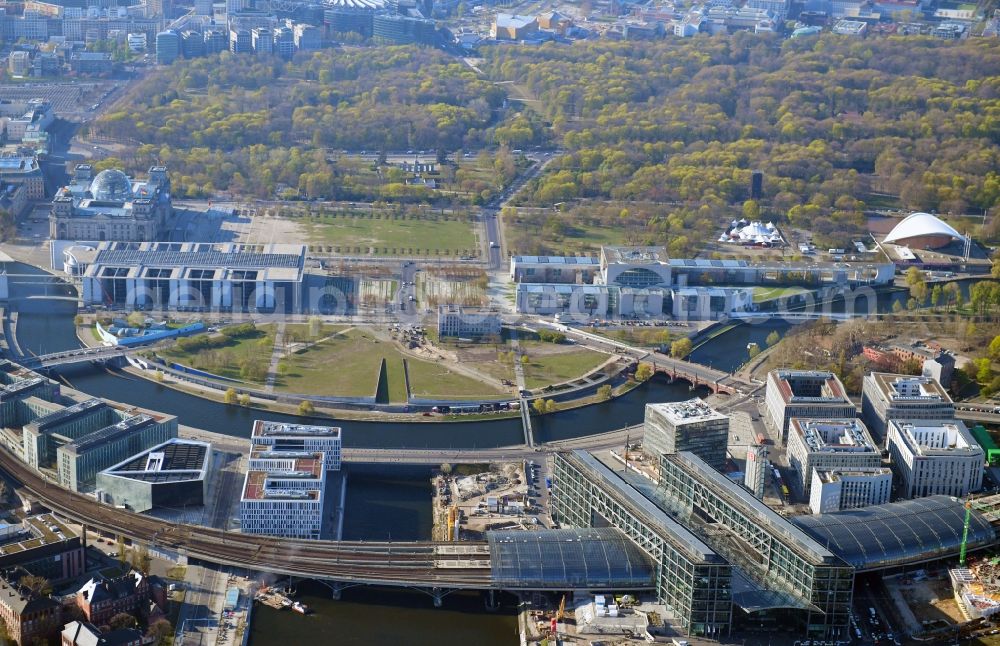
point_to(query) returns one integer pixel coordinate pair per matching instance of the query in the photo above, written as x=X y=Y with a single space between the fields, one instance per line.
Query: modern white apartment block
x=886 y=396
x=829 y=444
x=810 y=394
x=691 y=426
x=299 y=437
x=283 y=493
x=838 y=489
x=935 y=457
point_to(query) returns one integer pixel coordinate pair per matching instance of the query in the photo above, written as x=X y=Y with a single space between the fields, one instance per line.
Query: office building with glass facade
x=778 y=569
x=692 y=580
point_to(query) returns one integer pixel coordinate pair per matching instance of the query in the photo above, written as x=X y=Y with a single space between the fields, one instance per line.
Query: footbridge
x=80 y=355
x=566 y=558
x=695 y=373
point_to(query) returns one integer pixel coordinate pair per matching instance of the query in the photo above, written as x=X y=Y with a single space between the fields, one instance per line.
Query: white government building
x=829 y=444
x=838 y=489
x=644 y=281
x=886 y=396
x=935 y=457
x=812 y=394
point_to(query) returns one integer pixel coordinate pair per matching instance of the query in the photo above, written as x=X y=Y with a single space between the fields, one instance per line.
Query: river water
x=382 y=503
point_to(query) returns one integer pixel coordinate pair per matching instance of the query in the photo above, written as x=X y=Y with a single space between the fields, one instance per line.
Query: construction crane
x=965 y=532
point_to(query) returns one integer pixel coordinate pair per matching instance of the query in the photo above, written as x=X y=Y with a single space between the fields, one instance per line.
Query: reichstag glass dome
x=111 y=186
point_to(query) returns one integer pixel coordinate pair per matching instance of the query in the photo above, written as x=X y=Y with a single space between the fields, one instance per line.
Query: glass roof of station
x=601 y=558
x=910 y=531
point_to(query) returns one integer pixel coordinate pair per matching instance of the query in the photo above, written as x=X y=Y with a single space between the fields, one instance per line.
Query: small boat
x=300 y=608
x=752 y=346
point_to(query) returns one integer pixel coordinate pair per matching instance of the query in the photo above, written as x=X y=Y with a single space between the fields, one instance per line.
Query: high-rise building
x=263 y=41
x=168 y=47
x=192 y=44
x=234 y=6
x=284 y=42
x=755 y=473
x=838 y=489
x=687 y=426
x=885 y=397
x=215 y=41
x=829 y=444
x=935 y=457
x=694 y=580
x=402 y=30
x=159 y=8
x=805 y=393
x=240 y=41
x=203 y=8
x=307 y=37
x=756 y=185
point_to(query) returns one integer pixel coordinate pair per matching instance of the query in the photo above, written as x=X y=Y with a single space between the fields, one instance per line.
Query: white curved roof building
x=923 y=231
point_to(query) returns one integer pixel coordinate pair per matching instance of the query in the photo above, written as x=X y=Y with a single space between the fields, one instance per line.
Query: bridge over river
x=602 y=559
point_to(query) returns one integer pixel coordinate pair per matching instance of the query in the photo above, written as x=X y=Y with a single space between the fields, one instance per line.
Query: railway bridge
x=506 y=560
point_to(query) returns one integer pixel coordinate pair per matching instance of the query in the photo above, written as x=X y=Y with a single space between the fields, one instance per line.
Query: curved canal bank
x=40 y=332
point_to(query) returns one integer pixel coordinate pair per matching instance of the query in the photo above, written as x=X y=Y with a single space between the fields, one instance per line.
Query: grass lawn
x=542 y=370
x=346 y=365
x=225 y=360
x=577 y=237
x=389 y=236
x=433 y=380
x=395 y=378
x=302 y=331
x=761 y=294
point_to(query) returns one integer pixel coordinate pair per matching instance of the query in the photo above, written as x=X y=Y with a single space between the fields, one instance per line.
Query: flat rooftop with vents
x=170 y=474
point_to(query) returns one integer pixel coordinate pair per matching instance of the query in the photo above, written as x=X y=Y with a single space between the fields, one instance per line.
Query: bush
x=239 y=331
x=551 y=336
x=201 y=342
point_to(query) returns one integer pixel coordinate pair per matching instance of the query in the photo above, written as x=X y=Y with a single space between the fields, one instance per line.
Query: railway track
x=409 y=564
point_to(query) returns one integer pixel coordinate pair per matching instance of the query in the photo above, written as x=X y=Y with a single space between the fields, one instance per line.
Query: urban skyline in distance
x=438 y=322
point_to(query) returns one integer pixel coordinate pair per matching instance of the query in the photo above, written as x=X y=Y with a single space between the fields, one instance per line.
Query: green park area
x=346 y=365
x=435 y=380
x=385 y=234
x=550 y=367
x=543 y=231
x=237 y=352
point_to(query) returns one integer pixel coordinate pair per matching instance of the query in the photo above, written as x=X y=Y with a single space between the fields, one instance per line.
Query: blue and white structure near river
x=643 y=281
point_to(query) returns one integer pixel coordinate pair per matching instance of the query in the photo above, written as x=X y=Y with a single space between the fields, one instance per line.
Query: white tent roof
x=921 y=224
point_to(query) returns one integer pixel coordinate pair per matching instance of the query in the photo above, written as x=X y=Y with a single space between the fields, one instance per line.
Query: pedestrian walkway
x=529 y=435
x=277 y=352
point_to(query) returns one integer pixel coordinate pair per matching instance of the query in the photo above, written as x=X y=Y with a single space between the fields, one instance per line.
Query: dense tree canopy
x=828 y=120
x=246 y=125
x=662 y=135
